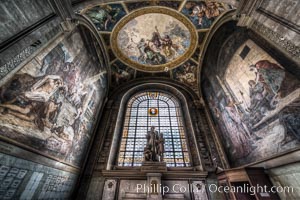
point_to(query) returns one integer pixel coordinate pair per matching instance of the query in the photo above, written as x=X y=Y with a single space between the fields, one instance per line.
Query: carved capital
x=68 y=25
x=199 y=103
x=245 y=20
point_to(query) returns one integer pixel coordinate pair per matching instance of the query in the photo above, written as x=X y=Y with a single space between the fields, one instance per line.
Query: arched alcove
x=252 y=91
x=152 y=87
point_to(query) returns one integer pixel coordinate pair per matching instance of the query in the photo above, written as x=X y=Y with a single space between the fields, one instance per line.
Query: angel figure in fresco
x=204 y=12
x=164 y=43
x=153 y=57
x=121 y=75
x=104 y=15
x=168 y=47
x=156 y=39
x=186 y=74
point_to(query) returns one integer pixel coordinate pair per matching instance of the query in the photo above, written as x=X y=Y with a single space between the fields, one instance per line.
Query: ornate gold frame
x=154 y=68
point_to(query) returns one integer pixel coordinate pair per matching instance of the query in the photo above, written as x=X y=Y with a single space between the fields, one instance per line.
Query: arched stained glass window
x=153 y=109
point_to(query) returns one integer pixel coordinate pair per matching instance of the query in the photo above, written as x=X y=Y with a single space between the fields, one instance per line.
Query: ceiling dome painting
x=154 y=39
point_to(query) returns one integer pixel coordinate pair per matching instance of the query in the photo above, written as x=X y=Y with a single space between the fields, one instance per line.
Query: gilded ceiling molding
x=161 y=67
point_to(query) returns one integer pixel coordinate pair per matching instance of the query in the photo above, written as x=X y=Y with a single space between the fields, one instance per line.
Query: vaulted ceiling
x=155 y=38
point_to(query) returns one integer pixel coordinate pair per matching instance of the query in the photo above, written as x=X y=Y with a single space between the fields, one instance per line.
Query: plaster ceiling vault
x=155 y=38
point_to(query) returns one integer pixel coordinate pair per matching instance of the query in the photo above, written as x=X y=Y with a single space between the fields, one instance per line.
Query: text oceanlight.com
x=213 y=188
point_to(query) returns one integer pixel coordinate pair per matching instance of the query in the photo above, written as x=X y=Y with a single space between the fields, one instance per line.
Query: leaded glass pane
x=142 y=121
x=165 y=116
x=165 y=121
x=164 y=112
x=153 y=121
x=168 y=144
x=131 y=131
x=153 y=103
x=133 y=112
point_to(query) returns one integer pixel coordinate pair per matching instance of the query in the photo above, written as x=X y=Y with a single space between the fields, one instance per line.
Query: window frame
x=178 y=115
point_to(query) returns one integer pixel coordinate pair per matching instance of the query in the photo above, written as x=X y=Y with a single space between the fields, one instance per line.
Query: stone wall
x=275 y=21
x=53 y=84
x=19 y=15
x=281 y=17
x=287 y=176
x=227 y=73
x=29 y=26
x=23 y=179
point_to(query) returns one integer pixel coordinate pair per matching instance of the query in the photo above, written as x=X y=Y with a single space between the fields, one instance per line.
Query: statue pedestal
x=154 y=186
x=149 y=166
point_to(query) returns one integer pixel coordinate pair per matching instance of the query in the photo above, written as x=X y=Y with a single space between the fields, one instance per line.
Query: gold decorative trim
x=155 y=68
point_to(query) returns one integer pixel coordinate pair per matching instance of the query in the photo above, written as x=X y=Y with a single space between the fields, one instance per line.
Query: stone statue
x=161 y=147
x=155 y=146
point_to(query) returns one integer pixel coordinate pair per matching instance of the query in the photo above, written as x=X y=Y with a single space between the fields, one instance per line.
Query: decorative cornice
x=277 y=39
x=15 y=61
x=27 y=53
x=290 y=25
x=168 y=175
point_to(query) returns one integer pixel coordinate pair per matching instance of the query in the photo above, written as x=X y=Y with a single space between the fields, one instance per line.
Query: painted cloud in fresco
x=153 y=39
x=51 y=104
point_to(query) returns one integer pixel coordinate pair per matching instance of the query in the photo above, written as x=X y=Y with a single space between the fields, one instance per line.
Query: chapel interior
x=149 y=99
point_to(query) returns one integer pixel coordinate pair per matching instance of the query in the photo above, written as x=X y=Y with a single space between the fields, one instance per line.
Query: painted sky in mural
x=50 y=104
x=153 y=39
x=256 y=105
x=202 y=13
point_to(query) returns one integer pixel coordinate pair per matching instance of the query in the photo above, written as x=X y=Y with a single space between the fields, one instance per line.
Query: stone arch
x=163 y=87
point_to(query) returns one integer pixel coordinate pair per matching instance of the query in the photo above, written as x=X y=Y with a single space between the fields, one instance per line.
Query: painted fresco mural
x=187 y=74
x=121 y=73
x=255 y=104
x=105 y=16
x=51 y=103
x=141 y=4
x=154 y=39
x=154 y=36
x=202 y=13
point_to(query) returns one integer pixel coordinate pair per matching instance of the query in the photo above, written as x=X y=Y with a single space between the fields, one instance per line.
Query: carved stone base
x=149 y=166
x=172 y=196
x=135 y=196
x=154 y=185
